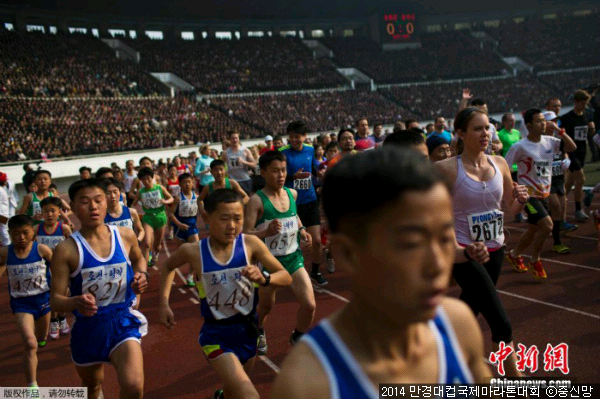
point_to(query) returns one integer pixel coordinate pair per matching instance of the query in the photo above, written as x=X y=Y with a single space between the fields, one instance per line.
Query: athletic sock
x=296 y=335
x=261 y=331
x=556 y=232
x=577 y=205
x=315 y=268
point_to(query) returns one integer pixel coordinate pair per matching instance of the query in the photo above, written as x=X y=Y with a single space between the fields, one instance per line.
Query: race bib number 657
x=486 y=226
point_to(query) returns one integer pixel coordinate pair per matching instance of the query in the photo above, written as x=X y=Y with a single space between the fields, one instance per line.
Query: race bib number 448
x=486 y=226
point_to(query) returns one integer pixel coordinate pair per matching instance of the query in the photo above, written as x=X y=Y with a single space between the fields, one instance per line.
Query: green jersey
x=508 y=139
x=211 y=185
x=152 y=199
x=34 y=207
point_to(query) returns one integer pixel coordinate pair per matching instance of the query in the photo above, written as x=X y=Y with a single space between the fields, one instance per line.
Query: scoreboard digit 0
x=399 y=27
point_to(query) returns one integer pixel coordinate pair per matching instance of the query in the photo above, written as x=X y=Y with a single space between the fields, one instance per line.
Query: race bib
x=152 y=199
x=581 y=133
x=108 y=284
x=303 y=184
x=234 y=162
x=486 y=226
x=557 y=168
x=174 y=190
x=188 y=208
x=543 y=168
x=27 y=280
x=286 y=241
x=37 y=209
x=228 y=293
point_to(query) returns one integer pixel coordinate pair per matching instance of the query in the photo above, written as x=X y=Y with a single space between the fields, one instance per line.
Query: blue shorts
x=93 y=339
x=241 y=339
x=37 y=305
x=184 y=234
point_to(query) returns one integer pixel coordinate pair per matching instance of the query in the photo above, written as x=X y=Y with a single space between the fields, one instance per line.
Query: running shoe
x=169 y=236
x=190 y=280
x=568 y=227
x=54 y=333
x=329 y=262
x=318 y=277
x=295 y=337
x=581 y=216
x=150 y=259
x=537 y=269
x=41 y=344
x=64 y=327
x=517 y=263
x=262 y=344
x=218 y=394
x=561 y=249
x=588 y=197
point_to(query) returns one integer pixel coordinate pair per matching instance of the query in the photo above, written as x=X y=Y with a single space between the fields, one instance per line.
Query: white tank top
x=477 y=209
x=236 y=170
x=128 y=180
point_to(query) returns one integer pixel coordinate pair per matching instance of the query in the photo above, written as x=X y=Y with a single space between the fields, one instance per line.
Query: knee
x=30 y=344
x=308 y=306
x=95 y=391
x=265 y=307
x=133 y=387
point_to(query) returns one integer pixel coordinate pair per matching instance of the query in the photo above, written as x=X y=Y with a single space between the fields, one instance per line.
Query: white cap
x=549 y=115
x=269 y=138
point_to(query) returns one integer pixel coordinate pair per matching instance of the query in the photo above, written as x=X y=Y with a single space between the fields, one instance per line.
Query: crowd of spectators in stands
x=35 y=64
x=248 y=64
x=546 y=44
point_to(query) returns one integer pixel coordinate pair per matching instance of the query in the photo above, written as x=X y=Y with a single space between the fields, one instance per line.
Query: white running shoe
x=64 y=327
x=54 y=332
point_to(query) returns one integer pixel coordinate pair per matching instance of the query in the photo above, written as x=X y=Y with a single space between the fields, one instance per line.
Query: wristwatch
x=302 y=228
x=267 y=277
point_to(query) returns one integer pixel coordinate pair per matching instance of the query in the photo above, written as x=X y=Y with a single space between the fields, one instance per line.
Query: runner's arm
x=168 y=197
x=569 y=144
x=138 y=262
x=45 y=252
x=67 y=230
x=26 y=202
x=514 y=204
x=3 y=256
x=171 y=211
x=251 y=162
x=254 y=211
x=279 y=276
x=200 y=199
x=137 y=224
x=132 y=193
x=236 y=187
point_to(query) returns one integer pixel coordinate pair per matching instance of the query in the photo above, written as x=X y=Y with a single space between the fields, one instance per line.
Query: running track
x=565 y=308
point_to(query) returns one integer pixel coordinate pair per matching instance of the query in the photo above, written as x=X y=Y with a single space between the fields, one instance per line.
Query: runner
x=51 y=233
x=300 y=162
x=202 y=170
x=363 y=140
x=480 y=184
x=119 y=215
x=180 y=166
x=31 y=202
x=105 y=269
x=271 y=215
x=577 y=125
x=145 y=162
x=154 y=197
x=411 y=139
x=239 y=160
x=438 y=148
x=128 y=177
x=224 y=263
x=85 y=172
x=399 y=250
x=183 y=213
x=217 y=170
x=534 y=156
x=28 y=286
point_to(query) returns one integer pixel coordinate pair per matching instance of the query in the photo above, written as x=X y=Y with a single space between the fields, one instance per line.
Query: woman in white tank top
x=480 y=183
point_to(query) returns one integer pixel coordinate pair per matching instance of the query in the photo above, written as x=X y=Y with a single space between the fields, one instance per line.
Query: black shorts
x=558 y=185
x=536 y=209
x=577 y=161
x=309 y=214
x=246 y=185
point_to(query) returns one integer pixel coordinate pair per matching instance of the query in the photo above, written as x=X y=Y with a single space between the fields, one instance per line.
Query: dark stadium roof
x=285 y=9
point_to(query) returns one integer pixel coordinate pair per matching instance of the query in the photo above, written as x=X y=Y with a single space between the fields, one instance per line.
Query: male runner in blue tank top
x=105 y=268
x=225 y=263
x=398 y=327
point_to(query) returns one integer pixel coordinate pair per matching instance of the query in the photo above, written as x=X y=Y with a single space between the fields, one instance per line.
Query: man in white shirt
x=4 y=210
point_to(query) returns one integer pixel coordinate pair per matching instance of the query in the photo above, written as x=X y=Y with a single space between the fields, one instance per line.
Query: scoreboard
x=398 y=28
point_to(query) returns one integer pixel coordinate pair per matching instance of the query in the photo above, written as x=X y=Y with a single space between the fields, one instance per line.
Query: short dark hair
x=101 y=171
x=383 y=174
x=528 y=115
x=222 y=195
x=53 y=185
x=216 y=163
x=171 y=165
x=57 y=202
x=404 y=138
x=40 y=171
x=333 y=144
x=111 y=181
x=344 y=130
x=86 y=183
x=20 y=221
x=364 y=118
x=265 y=159
x=145 y=171
x=84 y=168
x=410 y=120
x=142 y=159
x=551 y=99
x=477 y=102
x=184 y=176
x=278 y=138
x=297 y=127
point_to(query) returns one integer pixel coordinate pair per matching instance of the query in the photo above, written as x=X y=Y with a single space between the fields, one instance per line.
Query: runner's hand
x=166 y=317
x=273 y=228
x=253 y=273
x=183 y=227
x=520 y=192
x=466 y=94
x=86 y=304
x=139 y=283
x=478 y=252
x=300 y=174
x=306 y=239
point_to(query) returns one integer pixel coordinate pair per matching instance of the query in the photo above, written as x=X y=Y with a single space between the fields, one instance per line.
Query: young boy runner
x=172 y=184
x=399 y=248
x=51 y=233
x=154 y=197
x=534 y=156
x=118 y=214
x=271 y=215
x=128 y=177
x=28 y=286
x=183 y=213
x=105 y=269
x=217 y=170
x=225 y=264
x=31 y=202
